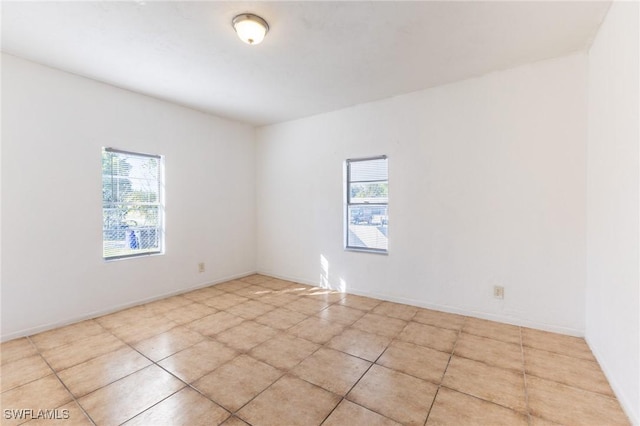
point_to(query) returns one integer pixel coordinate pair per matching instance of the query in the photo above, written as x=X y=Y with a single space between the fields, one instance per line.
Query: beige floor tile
x=340 y=314
x=98 y=372
x=214 y=324
x=454 y=408
x=126 y=398
x=42 y=394
x=380 y=324
x=165 y=305
x=558 y=343
x=188 y=313
x=279 y=298
x=493 y=330
x=250 y=309
x=359 y=343
x=563 y=404
x=81 y=350
x=253 y=292
x=143 y=329
x=231 y=285
x=490 y=351
x=69 y=414
x=395 y=310
x=348 y=413
x=439 y=319
x=16 y=349
x=203 y=293
x=234 y=421
x=316 y=330
x=438 y=338
x=498 y=385
x=576 y=372
x=290 y=401
x=318 y=291
x=284 y=351
x=245 y=336
x=224 y=301
x=419 y=361
x=306 y=305
x=396 y=395
x=184 y=408
x=235 y=383
x=276 y=284
x=261 y=328
x=168 y=343
x=22 y=371
x=123 y=317
x=537 y=421
x=324 y=295
x=332 y=370
x=198 y=360
x=359 y=302
x=255 y=279
x=65 y=335
x=281 y=318
x=297 y=289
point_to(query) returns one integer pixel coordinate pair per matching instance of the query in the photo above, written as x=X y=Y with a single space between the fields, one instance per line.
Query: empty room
x=320 y=213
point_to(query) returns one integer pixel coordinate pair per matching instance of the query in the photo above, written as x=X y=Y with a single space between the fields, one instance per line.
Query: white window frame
x=348 y=202
x=159 y=204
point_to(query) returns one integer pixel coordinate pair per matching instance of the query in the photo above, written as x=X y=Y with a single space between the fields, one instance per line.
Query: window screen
x=132 y=223
x=367 y=194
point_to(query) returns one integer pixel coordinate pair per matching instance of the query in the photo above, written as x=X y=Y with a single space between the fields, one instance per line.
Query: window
x=367 y=194
x=132 y=209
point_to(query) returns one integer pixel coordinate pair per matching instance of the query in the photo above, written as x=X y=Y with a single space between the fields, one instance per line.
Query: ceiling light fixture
x=250 y=28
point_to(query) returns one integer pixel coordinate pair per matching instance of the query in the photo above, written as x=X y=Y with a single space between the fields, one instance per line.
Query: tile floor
x=263 y=351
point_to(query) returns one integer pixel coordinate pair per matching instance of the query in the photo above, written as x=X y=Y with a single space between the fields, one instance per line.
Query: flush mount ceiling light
x=250 y=28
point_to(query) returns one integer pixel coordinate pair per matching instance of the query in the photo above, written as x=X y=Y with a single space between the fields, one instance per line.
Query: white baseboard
x=625 y=403
x=444 y=308
x=67 y=321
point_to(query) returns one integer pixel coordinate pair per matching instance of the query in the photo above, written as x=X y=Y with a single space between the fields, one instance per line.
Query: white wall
x=53 y=127
x=612 y=305
x=486 y=186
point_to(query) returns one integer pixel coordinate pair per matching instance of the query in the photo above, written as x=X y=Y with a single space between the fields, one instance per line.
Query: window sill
x=365 y=250
x=133 y=256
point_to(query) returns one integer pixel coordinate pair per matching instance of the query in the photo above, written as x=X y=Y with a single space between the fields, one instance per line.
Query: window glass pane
x=368 y=194
x=374 y=192
x=368 y=227
x=131 y=207
x=368 y=170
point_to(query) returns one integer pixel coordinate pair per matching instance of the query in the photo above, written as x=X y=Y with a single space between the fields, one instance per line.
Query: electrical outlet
x=201 y=267
x=498 y=292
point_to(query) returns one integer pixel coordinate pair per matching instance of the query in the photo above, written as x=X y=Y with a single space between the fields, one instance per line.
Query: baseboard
x=444 y=308
x=622 y=398
x=382 y=296
x=110 y=310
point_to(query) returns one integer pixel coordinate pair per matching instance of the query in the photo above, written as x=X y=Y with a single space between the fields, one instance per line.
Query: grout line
x=61 y=382
x=186 y=384
x=445 y=370
x=327 y=303
x=524 y=375
x=372 y=363
x=150 y=407
x=342 y=398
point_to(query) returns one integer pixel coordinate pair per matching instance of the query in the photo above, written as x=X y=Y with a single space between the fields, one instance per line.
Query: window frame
x=160 y=227
x=348 y=203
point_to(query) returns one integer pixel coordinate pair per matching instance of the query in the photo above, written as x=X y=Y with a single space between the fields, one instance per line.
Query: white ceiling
x=317 y=57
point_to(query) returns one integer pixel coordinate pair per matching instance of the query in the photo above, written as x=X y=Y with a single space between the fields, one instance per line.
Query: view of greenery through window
x=131 y=205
